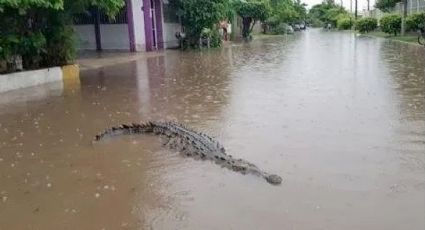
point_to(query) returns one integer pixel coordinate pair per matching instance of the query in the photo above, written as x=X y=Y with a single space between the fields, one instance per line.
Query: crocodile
x=192 y=144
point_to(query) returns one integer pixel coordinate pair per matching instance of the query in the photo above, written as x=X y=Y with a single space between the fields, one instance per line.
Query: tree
x=327 y=12
x=251 y=12
x=386 y=5
x=40 y=32
x=301 y=9
x=198 y=15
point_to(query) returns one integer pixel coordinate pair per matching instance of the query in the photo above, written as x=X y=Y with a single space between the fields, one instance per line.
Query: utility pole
x=355 y=9
x=368 y=6
x=403 y=18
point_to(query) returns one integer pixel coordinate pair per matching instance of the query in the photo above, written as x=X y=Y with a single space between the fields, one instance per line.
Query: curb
x=69 y=75
x=395 y=40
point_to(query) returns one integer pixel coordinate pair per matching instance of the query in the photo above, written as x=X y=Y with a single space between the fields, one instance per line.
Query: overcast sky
x=362 y=4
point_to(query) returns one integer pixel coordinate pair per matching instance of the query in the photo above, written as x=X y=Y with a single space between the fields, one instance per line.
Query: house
x=142 y=25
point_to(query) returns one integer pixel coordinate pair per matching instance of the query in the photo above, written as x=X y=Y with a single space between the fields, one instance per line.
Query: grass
x=409 y=38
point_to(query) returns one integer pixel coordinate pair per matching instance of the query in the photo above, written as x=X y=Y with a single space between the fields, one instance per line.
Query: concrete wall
x=113 y=36
x=86 y=37
x=25 y=79
x=139 y=25
x=169 y=30
x=67 y=76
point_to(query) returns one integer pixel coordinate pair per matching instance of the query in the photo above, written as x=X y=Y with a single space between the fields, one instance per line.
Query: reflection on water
x=340 y=117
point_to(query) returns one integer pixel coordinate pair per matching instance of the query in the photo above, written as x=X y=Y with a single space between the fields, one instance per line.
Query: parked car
x=303 y=26
x=297 y=27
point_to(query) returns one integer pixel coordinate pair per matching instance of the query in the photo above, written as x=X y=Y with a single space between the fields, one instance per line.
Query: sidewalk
x=93 y=60
x=409 y=38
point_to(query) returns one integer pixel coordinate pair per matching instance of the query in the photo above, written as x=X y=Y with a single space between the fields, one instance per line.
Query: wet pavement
x=341 y=118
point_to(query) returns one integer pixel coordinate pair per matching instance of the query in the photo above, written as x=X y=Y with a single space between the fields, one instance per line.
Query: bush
x=391 y=24
x=335 y=14
x=275 y=26
x=316 y=23
x=213 y=35
x=415 y=22
x=38 y=33
x=344 y=23
x=281 y=28
x=32 y=49
x=199 y=15
x=365 y=25
x=61 y=40
x=251 y=12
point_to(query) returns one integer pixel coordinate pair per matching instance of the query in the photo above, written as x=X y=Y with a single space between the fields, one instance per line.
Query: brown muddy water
x=341 y=118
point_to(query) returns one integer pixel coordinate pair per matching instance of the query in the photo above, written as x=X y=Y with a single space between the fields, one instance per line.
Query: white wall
x=86 y=37
x=139 y=25
x=169 y=31
x=114 y=36
x=30 y=78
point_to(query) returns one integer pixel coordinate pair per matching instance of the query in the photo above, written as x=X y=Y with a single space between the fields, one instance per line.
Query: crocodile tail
x=126 y=129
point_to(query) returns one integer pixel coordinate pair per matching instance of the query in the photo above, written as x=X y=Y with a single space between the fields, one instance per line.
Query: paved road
x=341 y=118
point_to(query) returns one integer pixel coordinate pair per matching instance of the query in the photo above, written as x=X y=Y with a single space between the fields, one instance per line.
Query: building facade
x=142 y=25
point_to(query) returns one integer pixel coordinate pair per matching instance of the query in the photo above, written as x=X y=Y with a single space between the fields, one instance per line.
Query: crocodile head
x=273 y=179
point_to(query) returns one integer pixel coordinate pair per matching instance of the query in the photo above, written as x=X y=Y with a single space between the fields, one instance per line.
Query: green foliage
x=213 y=35
x=315 y=22
x=391 y=24
x=60 y=40
x=415 y=22
x=200 y=14
x=111 y=7
x=257 y=10
x=327 y=12
x=281 y=28
x=386 y=5
x=284 y=12
x=32 y=48
x=344 y=23
x=365 y=25
x=26 y=4
x=301 y=10
x=251 y=11
x=9 y=46
x=40 y=32
x=334 y=14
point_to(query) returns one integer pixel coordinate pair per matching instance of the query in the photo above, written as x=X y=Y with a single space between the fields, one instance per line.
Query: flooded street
x=340 y=117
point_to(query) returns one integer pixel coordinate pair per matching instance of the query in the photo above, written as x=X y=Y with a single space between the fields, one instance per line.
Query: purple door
x=153 y=24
